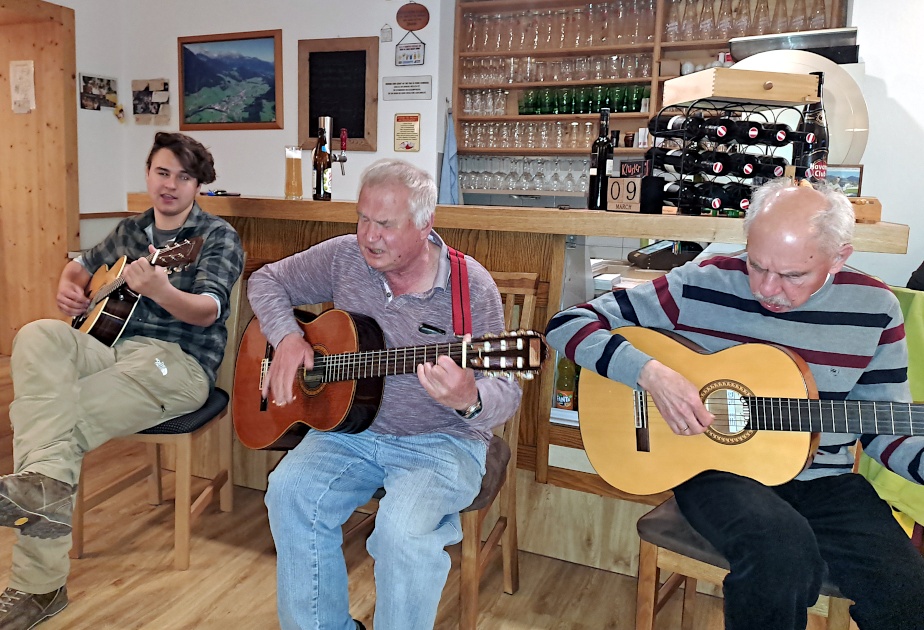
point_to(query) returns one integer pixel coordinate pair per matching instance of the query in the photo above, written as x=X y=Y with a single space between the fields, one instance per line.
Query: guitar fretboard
x=377 y=363
x=835 y=416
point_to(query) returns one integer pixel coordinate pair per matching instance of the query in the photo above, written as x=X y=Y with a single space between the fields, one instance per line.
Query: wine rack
x=724 y=190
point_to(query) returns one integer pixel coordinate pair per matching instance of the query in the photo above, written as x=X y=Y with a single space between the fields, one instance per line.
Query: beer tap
x=342 y=158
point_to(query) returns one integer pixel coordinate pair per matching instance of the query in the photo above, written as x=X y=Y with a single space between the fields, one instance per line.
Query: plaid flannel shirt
x=217 y=267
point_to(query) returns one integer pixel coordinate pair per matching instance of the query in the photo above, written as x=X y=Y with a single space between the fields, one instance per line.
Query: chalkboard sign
x=339 y=78
x=337 y=88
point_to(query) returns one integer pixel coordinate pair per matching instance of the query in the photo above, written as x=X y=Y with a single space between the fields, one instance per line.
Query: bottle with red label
x=810 y=155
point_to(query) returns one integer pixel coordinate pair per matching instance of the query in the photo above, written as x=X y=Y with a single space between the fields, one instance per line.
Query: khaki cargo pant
x=72 y=394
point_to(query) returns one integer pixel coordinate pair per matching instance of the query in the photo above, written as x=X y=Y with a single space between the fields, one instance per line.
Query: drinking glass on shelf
x=612 y=67
x=633 y=22
x=545 y=135
x=565 y=96
x=582 y=99
x=468 y=31
x=707 y=26
x=467 y=103
x=510 y=177
x=495 y=36
x=500 y=102
x=524 y=181
x=582 y=180
x=689 y=24
x=531 y=135
x=588 y=138
x=503 y=139
x=541 y=72
x=518 y=135
x=798 y=18
x=548 y=104
x=742 y=18
x=581 y=68
x=559 y=135
x=555 y=182
x=569 y=184
x=481 y=33
x=598 y=65
x=578 y=28
x=546 y=30
x=511 y=69
x=559 y=28
x=574 y=140
x=497 y=173
x=628 y=66
x=539 y=180
x=644 y=65
x=477 y=103
x=567 y=69
x=554 y=72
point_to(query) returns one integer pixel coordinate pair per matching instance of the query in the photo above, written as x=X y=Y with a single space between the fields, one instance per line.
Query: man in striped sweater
x=789 y=288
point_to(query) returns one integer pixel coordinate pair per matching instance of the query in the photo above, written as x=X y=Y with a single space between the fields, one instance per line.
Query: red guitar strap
x=461 y=307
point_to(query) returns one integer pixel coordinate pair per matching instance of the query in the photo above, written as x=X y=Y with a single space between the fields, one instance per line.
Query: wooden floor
x=126 y=579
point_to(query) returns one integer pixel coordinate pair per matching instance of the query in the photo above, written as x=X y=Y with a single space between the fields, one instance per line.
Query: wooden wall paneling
x=38 y=163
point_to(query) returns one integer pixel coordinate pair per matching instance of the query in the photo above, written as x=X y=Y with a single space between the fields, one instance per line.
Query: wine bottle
x=742 y=164
x=811 y=156
x=676 y=126
x=321 y=164
x=693 y=198
x=684 y=162
x=600 y=153
x=770 y=166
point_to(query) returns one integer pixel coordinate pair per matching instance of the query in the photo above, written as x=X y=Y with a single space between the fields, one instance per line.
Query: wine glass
x=569 y=184
x=582 y=180
x=539 y=180
x=555 y=182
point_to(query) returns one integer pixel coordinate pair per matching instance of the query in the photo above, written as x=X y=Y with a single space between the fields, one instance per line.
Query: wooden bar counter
x=502 y=239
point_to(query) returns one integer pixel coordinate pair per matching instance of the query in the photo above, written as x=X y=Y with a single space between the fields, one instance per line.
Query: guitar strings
x=778 y=414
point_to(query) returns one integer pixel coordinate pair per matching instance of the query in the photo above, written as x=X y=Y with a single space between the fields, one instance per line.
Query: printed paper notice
x=22 y=86
x=407 y=133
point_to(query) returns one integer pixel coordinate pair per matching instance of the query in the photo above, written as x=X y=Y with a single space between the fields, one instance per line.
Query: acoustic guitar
x=766 y=410
x=343 y=390
x=112 y=302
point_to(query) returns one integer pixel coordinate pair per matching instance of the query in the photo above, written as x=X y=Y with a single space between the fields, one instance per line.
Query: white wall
x=129 y=39
x=138 y=40
x=890 y=46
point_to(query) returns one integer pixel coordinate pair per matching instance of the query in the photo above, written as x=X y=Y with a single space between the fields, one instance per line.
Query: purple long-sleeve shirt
x=335 y=271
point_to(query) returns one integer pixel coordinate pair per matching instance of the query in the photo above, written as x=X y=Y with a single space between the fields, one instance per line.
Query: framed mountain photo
x=848 y=177
x=231 y=81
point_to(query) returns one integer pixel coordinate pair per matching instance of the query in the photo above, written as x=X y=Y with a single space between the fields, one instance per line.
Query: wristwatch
x=472 y=411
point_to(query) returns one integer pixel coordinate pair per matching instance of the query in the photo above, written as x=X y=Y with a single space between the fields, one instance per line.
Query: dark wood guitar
x=766 y=408
x=112 y=302
x=343 y=390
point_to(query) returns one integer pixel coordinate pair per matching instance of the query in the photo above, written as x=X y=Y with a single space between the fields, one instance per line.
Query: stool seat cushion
x=495 y=472
x=666 y=527
x=189 y=422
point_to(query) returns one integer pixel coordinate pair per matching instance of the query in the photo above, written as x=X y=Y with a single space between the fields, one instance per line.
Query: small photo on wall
x=847 y=177
x=151 y=101
x=98 y=92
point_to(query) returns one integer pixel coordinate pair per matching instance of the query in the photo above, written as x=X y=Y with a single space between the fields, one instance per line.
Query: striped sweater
x=850 y=332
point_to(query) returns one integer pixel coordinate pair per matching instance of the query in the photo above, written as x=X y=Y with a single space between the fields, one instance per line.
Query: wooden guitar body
x=617 y=449
x=108 y=319
x=341 y=406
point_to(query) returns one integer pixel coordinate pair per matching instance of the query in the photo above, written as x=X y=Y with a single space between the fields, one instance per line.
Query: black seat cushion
x=187 y=423
x=665 y=526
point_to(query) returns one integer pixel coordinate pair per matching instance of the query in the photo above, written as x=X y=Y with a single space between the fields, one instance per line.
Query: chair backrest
x=518 y=292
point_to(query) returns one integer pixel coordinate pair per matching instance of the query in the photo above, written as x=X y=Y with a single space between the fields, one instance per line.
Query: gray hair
x=419 y=184
x=832 y=225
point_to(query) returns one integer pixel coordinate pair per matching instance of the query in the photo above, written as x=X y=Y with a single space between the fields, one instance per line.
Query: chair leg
x=183 y=502
x=470 y=579
x=838 y=613
x=646 y=600
x=155 y=485
x=688 y=612
x=225 y=439
x=509 y=543
x=77 y=521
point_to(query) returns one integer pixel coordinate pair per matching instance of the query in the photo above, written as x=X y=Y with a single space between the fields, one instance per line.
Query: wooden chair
x=518 y=291
x=181 y=433
x=669 y=543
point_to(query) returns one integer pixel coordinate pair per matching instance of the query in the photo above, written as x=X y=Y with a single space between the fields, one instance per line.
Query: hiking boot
x=21 y=611
x=37 y=505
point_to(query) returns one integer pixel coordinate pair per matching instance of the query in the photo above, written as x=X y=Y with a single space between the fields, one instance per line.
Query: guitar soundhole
x=313 y=382
x=724 y=400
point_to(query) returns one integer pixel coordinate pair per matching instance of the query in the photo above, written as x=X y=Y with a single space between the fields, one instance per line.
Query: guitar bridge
x=642 y=436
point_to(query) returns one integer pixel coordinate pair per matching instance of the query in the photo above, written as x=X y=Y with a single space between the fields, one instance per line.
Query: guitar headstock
x=518 y=353
x=178 y=256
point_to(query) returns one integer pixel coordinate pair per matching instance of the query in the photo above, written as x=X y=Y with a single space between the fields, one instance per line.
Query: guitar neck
x=835 y=416
x=378 y=363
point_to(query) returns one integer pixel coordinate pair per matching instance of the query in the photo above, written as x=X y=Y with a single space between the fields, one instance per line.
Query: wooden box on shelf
x=867 y=209
x=742 y=86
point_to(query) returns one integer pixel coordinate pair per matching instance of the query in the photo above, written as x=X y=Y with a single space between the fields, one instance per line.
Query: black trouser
x=777 y=541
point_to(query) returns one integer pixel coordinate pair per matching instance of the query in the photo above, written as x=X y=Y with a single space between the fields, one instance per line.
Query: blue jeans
x=318 y=485
x=779 y=541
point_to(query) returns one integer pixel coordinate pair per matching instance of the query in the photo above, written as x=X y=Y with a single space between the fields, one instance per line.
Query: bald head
x=796 y=238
